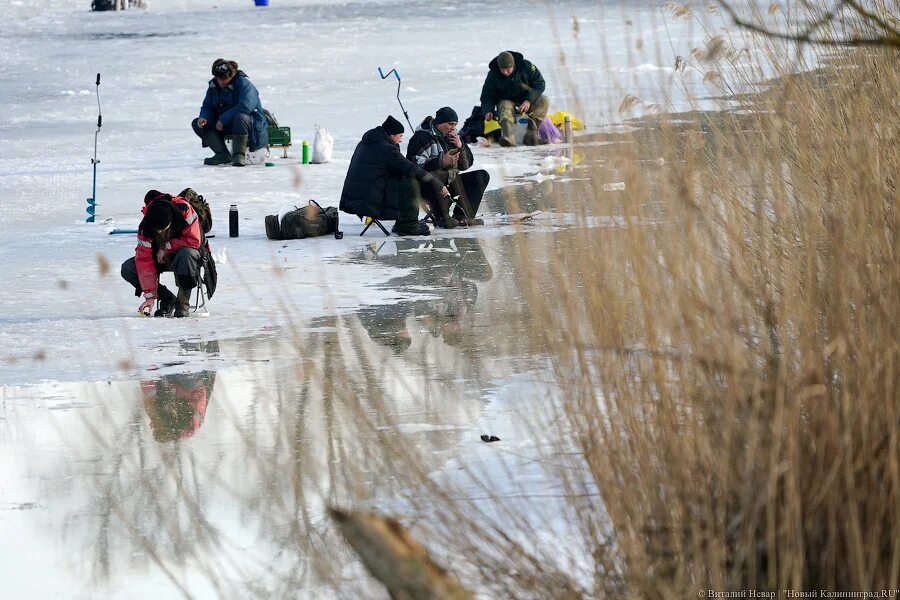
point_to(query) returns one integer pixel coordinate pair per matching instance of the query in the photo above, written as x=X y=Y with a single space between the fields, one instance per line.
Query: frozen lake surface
x=102 y=411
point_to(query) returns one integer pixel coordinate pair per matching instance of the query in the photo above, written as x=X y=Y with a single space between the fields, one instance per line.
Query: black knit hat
x=159 y=214
x=506 y=60
x=445 y=115
x=392 y=126
x=152 y=195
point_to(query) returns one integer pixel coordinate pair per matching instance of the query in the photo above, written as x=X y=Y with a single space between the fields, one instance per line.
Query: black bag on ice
x=473 y=128
x=309 y=221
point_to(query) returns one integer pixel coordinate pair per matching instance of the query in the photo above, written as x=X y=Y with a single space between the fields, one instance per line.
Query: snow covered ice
x=72 y=349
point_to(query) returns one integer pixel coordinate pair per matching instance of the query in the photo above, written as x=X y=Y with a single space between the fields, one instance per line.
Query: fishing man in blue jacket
x=231 y=106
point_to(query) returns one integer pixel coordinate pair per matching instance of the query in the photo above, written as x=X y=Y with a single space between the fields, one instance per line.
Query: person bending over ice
x=231 y=106
x=514 y=85
x=169 y=238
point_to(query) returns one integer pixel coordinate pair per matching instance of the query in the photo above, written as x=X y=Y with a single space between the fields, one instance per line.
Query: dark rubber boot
x=239 y=145
x=531 y=135
x=166 y=302
x=215 y=142
x=507 y=133
x=442 y=216
x=183 y=303
x=410 y=228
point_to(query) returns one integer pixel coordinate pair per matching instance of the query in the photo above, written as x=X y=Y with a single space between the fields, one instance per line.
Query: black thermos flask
x=233 y=221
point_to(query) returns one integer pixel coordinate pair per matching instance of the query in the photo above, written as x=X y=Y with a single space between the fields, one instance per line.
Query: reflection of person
x=528 y=197
x=514 y=85
x=381 y=183
x=168 y=240
x=176 y=404
x=448 y=268
x=437 y=148
x=231 y=106
x=386 y=325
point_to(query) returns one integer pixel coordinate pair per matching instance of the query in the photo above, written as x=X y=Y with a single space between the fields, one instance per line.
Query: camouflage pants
x=536 y=114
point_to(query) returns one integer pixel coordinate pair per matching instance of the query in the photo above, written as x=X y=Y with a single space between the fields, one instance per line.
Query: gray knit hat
x=505 y=60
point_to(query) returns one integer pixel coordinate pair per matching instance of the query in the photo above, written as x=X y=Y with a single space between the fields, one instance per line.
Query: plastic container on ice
x=521 y=129
x=261 y=2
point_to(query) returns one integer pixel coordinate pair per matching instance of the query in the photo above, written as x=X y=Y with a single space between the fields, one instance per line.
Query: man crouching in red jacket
x=168 y=240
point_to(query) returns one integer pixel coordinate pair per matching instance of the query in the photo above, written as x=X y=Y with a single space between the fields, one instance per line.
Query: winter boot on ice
x=442 y=216
x=215 y=142
x=507 y=133
x=183 y=303
x=239 y=145
x=531 y=134
x=166 y=302
x=411 y=228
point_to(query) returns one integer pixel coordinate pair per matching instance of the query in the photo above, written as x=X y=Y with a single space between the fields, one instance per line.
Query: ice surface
x=313 y=63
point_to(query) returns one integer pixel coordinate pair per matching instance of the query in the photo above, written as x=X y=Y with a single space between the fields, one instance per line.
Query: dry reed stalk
x=731 y=373
x=396 y=559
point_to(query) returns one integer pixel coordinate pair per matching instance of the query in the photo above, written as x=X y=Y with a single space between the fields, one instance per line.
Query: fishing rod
x=397 y=75
x=92 y=201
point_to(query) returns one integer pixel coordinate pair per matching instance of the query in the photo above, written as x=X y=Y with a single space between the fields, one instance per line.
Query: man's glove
x=146 y=309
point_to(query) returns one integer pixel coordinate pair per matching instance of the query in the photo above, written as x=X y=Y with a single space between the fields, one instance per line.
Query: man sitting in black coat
x=381 y=183
x=437 y=148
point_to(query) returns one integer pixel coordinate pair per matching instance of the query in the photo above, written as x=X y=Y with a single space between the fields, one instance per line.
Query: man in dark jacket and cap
x=231 y=106
x=381 y=183
x=514 y=85
x=437 y=148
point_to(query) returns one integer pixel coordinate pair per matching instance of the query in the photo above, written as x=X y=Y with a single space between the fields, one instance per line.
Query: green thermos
x=305 y=152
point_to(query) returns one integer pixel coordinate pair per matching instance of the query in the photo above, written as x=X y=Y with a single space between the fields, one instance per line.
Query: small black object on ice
x=489 y=438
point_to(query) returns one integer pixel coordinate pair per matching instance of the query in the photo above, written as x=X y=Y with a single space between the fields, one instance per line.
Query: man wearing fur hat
x=381 y=183
x=514 y=86
x=437 y=148
x=231 y=106
x=168 y=240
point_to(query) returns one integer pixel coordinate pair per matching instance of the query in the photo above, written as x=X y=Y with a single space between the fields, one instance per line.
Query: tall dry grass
x=727 y=361
x=730 y=373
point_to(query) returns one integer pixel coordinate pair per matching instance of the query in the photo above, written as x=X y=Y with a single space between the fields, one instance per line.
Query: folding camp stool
x=429 y=213
x=200 y=300
x=369 y=221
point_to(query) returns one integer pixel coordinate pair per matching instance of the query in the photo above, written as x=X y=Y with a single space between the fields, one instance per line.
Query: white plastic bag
x=323 y=145
x=257 y=157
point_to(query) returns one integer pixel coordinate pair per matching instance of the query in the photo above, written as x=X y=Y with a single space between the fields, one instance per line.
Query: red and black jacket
x=184 y=232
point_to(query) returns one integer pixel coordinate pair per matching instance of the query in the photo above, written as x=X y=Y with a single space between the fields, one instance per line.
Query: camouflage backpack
x=204 y=216
x=200 y=206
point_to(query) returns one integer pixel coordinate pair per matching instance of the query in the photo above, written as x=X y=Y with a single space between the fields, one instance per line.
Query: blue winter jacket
x=238 y=97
